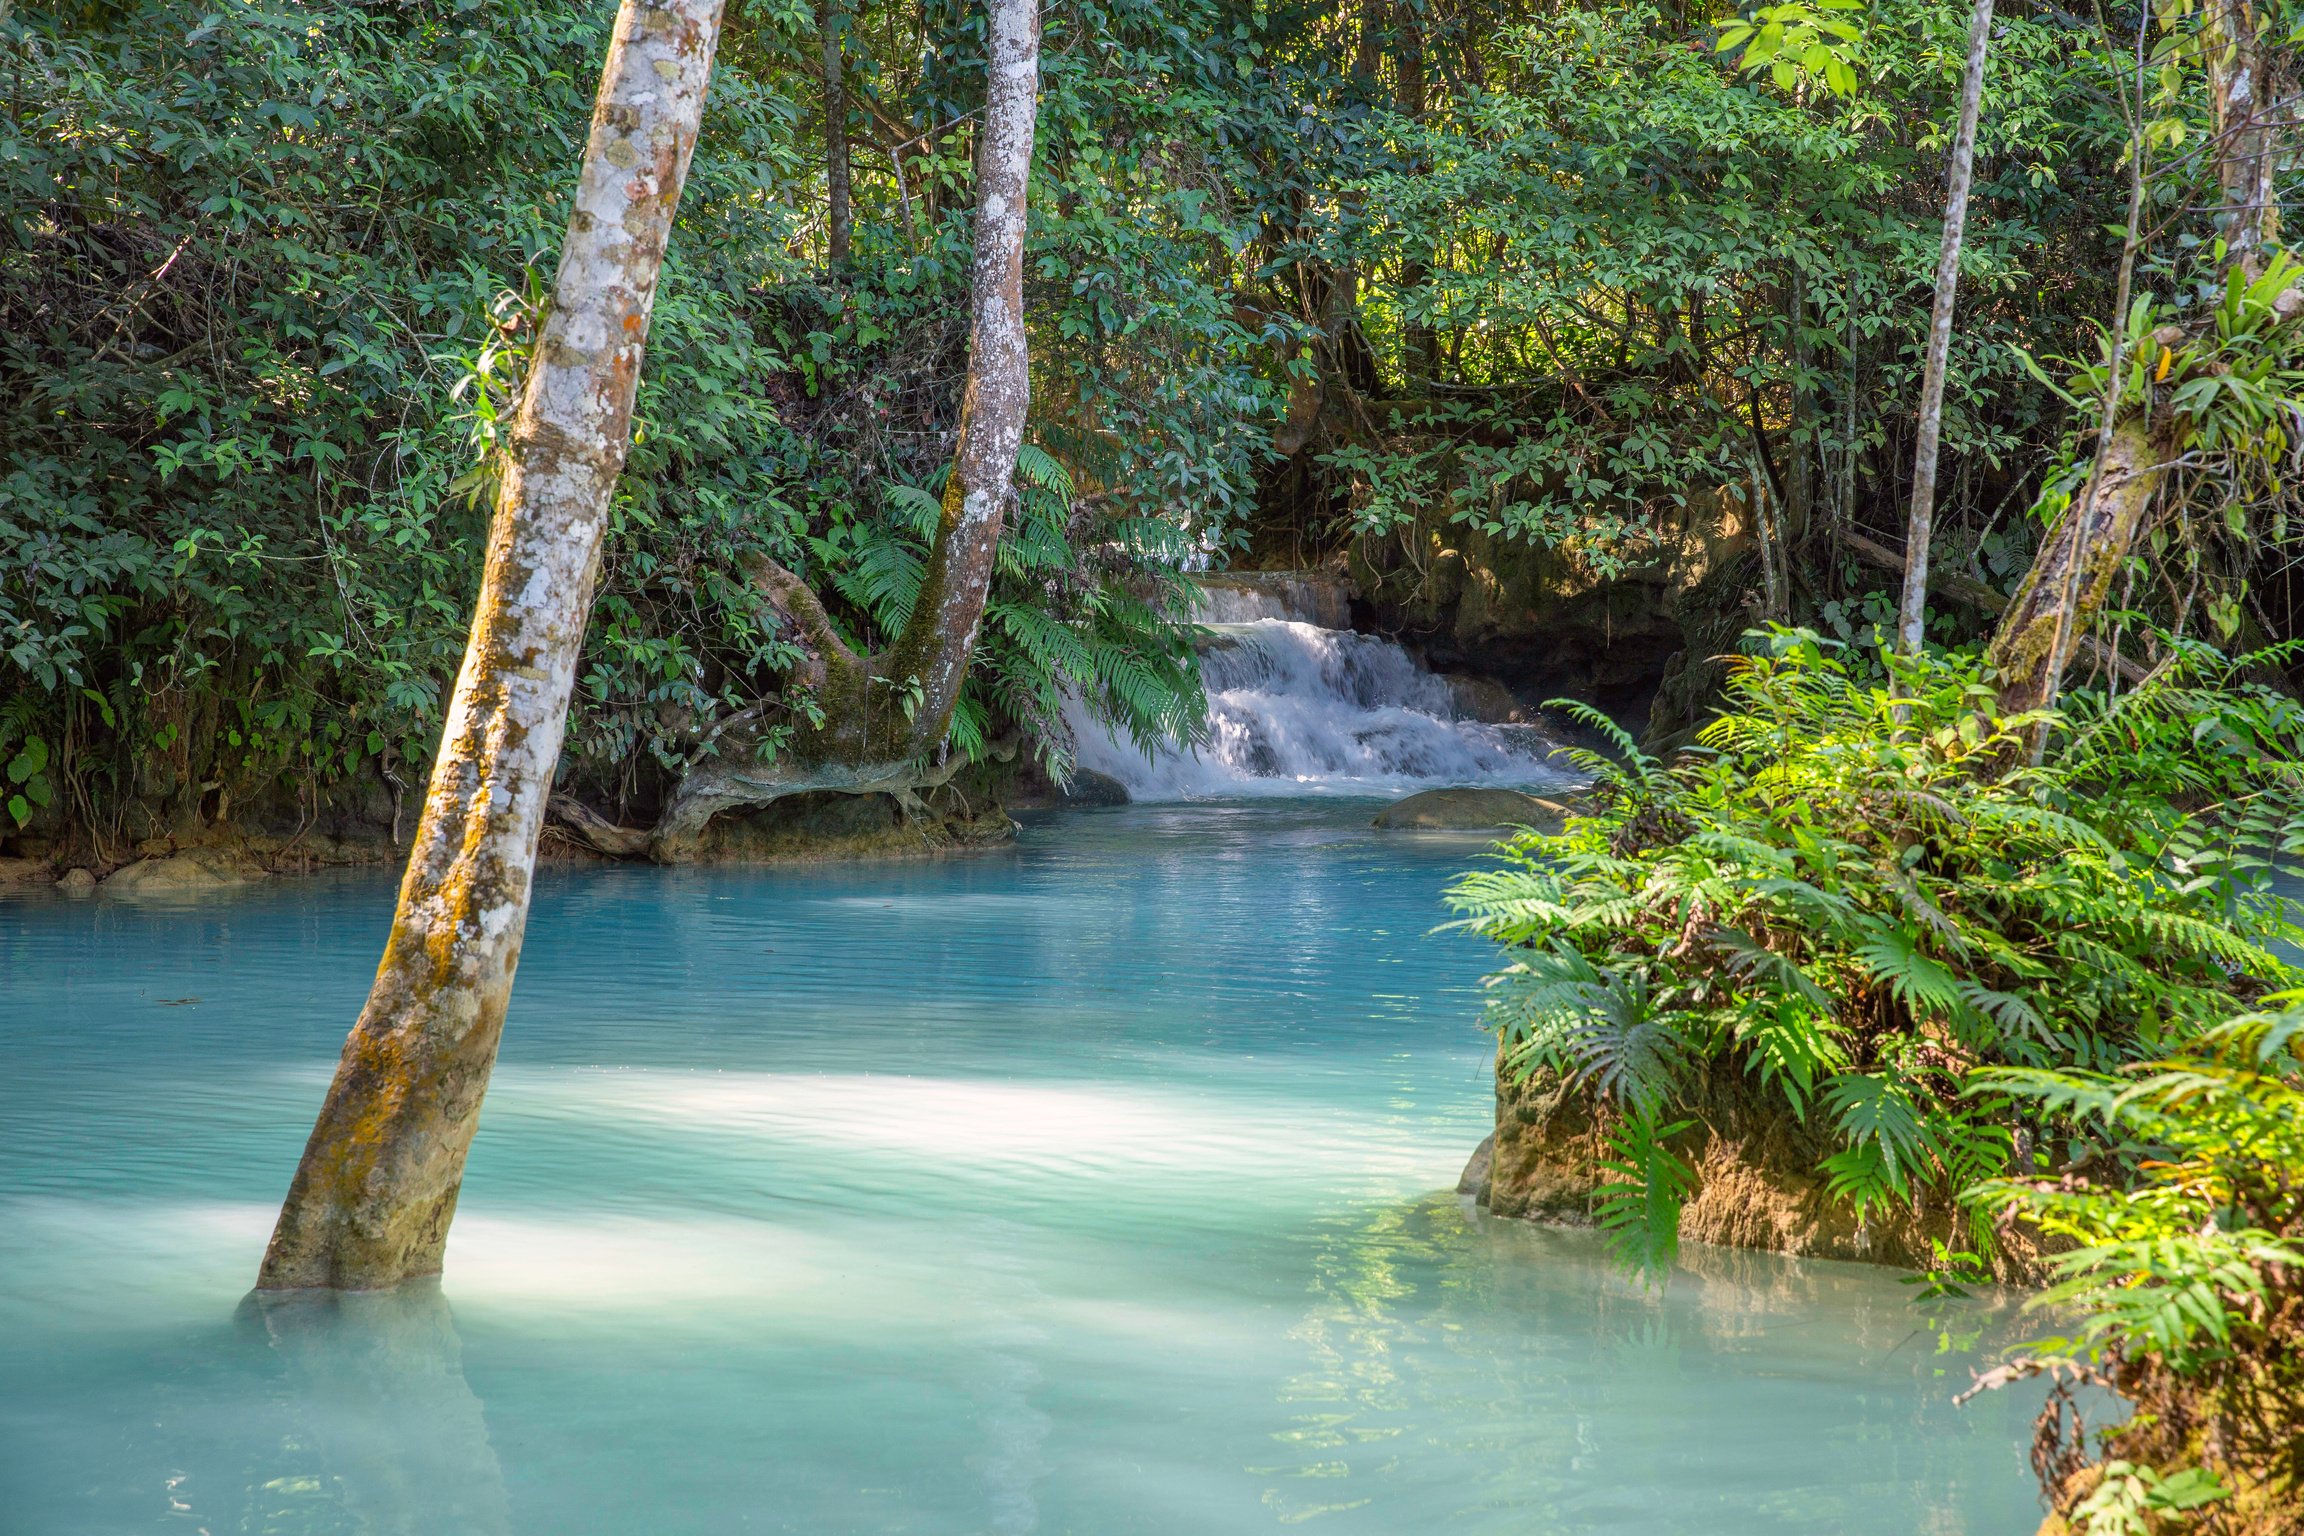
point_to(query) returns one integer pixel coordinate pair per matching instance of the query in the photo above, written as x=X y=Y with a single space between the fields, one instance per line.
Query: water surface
x=1096 y=1186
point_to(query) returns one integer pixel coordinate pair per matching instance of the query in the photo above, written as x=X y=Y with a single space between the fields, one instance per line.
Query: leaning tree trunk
x=1912 y=623
x=2072 y=575
x=373 y=1196
x=887 y=712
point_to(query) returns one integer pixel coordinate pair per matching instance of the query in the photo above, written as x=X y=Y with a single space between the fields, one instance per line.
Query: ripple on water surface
x=1090 y=1187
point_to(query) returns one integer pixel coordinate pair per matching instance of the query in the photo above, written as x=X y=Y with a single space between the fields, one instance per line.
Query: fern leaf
x=1639 y=1206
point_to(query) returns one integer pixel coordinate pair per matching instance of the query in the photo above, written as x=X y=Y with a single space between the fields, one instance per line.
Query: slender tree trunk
x=2247 y=89
x=2072 y=575
x=887 y=711
x=932 y=654
x=1912 y=621
x=1805 y=438
x=1419 y=340
x=840 y=216
x=377 y=1186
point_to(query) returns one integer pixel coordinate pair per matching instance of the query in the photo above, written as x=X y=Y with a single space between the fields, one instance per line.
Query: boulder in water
x=1437 y=810
x=200 y=869
x=1090 y=790
x=76 y=882
x=1484 y=698
x=1479 y=1170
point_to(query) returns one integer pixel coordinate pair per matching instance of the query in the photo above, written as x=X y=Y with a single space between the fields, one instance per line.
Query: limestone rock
x=1758 y=1183
x=1470 y=810
x=76 y=882
x=199 y=869
x=26 y=872
x=1544 y=615
x=1475 y=1179
x=1091 y=790
x=1030 y=789
x=827 y=826
x=1484 y=699
x=1309 y=597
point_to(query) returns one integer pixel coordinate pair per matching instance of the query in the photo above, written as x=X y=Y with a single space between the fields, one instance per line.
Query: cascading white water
x=1295 y=707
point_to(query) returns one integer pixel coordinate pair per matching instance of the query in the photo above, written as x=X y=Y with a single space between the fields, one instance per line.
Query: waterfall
x=1298 y=707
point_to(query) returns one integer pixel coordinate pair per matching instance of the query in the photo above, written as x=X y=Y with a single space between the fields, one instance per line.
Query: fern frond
x=1639 y=1205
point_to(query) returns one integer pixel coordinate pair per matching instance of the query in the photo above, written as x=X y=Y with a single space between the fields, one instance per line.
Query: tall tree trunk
x=886 y=712
x=1804 y=437
x=840 y=216
x=373 y=1196
x=1912 y=621
x=2248 y=81
x=932 y=653
x=2072 y=575
x=2073 y=570
x=1419 y=339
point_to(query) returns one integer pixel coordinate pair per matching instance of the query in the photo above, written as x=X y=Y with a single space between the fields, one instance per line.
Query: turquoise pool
x=1095 y=1186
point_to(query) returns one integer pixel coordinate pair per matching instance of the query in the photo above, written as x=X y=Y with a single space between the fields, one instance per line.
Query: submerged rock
x=1474 y=1181
x=1472 y=809
x=199 y=869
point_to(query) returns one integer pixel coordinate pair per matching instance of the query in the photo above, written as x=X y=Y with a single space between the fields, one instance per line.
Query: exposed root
x=715 y=786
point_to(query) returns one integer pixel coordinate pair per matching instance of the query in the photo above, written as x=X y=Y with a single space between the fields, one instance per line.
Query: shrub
x=2186 y=1278
x=1861 y=911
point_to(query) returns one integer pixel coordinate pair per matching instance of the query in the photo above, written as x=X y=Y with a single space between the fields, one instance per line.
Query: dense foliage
x=2186 y=1276
x=264 y=297
x=1649 y=274
x=1299 y=276
x=1860 y=912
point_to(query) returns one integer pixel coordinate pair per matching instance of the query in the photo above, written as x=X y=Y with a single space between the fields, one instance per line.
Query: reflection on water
x=377 y=1429
x=1088 y=1188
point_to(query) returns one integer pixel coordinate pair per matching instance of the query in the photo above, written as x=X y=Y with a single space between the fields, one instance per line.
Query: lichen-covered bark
x=373 y=1196
x=1912 y=622
x=886 y=713
x=2247 y=92
x=2096 y=535
x=933 y=651
x=838 y=216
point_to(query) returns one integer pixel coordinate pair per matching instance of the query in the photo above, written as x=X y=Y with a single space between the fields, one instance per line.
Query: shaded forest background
x=1523 y=299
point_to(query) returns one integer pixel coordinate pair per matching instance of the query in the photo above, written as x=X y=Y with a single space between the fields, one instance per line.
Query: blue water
x=1096 y=1186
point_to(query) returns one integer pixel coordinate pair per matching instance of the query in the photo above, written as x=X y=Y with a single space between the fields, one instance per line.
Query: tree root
x=714 y=786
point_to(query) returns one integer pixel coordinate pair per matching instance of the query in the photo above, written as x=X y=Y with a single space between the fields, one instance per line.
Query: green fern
x=1890 y=1139
x=1866 y=911
x=1639 y=1204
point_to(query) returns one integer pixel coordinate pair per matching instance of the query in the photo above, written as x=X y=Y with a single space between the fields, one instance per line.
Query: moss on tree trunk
x=377 y=1186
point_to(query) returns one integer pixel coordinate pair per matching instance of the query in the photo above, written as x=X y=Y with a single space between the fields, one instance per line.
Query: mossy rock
x=182 y=874
x=1758 y=1180
x=1469 y=810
